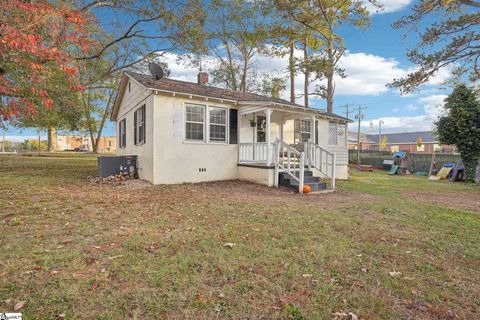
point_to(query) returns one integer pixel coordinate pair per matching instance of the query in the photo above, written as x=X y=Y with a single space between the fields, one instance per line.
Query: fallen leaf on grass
x=306 y=275
x=95 y=285
x=229 y=245
x=62 y=315
x=115 y=257
x=341 y=315
x=394 y=273
x=19 y=305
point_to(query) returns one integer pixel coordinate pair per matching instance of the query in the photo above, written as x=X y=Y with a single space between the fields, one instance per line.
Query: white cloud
x=387 y=6
x=395 y=110
x=432 y=106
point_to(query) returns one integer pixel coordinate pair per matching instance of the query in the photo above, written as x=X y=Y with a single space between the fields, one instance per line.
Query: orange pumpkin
x=306 y=189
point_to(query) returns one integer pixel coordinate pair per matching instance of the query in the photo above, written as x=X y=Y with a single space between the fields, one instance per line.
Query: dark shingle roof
x=406 y=137
x=212 y=92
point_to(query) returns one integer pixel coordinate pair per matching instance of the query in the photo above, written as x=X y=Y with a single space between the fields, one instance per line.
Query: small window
x=194 y=122
x=122 y=133
x=109 y=143
x=129 y=87
x=139 y=125
x=305 y=130
x=261 y=132
x=336 y=134
x=332 y=133
x=218 y=124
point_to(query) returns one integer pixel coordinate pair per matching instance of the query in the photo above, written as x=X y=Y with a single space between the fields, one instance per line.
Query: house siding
x=179 y=161
x=132 y=100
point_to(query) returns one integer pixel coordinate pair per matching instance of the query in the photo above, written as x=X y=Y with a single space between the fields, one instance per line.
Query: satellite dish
x=155 y=70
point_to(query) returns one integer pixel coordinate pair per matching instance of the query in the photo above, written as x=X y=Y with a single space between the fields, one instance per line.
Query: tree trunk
x=307 y=74
x=291 y=67
x=330 y=83
x=52 y=139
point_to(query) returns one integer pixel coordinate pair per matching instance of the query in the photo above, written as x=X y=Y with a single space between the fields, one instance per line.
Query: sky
x=374 y=58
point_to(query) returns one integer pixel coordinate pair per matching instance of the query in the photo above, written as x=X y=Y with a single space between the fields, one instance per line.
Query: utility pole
x=380 y=141
x=359 y=116
x=347 y=109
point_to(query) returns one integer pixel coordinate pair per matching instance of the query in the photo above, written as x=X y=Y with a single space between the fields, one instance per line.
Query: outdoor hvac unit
x=112 y=165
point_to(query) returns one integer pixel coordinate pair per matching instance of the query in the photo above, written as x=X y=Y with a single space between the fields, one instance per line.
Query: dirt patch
x=455 y=200
x=234 y=191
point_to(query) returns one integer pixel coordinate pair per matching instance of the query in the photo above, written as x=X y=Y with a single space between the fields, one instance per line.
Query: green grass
x=157 y=252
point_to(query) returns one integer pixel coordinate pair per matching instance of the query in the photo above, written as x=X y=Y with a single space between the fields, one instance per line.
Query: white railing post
x=301 y=172
x=334 y=165
x=276 y=160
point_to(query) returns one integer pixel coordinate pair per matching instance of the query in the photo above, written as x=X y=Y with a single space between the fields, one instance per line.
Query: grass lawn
x=381 y=247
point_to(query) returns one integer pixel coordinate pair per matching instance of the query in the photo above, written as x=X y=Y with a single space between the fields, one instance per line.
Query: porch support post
x=268 y=112
x=314 y=129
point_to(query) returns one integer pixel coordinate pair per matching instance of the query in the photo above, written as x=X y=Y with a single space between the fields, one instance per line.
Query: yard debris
x=306 y=275
x=115 y=257
x=118 y=179
x=229 y=245
x=342 y=315
x=394 y=273
x=62 y=315
x=19 y=305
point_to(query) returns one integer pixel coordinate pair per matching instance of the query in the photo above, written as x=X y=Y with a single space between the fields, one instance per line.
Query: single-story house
x=413 y=142
x=185 y=132
x=365 y=142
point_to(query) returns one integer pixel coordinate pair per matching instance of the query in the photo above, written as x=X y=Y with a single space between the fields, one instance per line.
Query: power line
x=359 y=116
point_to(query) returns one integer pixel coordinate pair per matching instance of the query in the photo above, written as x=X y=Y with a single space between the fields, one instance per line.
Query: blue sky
x=375 y=56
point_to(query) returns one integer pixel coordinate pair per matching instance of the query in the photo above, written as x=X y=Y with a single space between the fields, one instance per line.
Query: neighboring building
x=409 y=142
x=191 y=132
x=365 y=142
x=82 y=143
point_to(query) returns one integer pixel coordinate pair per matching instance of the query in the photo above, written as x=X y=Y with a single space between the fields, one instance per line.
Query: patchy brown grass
x=158 y=252
x=455 y=199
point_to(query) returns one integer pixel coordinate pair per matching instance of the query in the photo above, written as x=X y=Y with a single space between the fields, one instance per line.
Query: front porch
x=285 y=145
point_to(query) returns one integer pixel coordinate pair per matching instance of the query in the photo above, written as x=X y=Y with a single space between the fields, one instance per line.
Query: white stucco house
x=185 y=132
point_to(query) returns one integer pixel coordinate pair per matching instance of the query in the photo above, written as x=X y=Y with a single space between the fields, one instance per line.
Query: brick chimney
x=202 y=77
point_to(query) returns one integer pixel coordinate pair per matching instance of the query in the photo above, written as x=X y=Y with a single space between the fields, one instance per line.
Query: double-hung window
x=194 y=122
x=217 y=124
x=305 y=130
x=122 y=133
x=139 y=125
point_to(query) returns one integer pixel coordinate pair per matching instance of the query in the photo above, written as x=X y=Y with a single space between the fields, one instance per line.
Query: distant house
x=365 y=142
x=192 y=132
x=83 y=143
x=414 y=142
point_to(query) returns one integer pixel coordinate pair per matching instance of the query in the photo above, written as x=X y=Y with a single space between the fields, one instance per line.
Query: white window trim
x=206 y=124
x=139 y=143
x=309 y=132
x=226 y=125
x=120 y=135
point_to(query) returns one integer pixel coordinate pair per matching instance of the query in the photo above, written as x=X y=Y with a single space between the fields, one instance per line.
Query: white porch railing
x=256 y=153
x=290 y=161
x=322 y=160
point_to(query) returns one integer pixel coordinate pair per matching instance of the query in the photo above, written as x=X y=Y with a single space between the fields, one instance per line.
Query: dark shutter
x=144 y=114
x=135 y=127
x=296 y=131
x=316 y=131
x=233 y=126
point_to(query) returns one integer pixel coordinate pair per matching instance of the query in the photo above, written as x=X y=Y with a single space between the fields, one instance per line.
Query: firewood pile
x=118 y=179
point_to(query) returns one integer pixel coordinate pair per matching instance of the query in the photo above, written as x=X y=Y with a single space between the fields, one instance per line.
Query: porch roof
x=195 y=89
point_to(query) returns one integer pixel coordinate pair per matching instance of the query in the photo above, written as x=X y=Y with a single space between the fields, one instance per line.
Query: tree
x=383 y=143
x=236 y=32
x=273 y=85
x=38 y=38
x=322 y=18
x=452 y=40
x=461 y=127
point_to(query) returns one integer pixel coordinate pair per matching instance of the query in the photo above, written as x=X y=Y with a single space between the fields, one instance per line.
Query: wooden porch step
x=313 y=182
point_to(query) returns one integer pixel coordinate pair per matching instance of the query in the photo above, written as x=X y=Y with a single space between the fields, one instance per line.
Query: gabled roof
x=406 y=137
x=195 y=89
x=352 y=137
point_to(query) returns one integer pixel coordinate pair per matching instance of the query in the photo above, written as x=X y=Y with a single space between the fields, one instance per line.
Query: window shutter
x=233 y=126
x=316 y=131
x=296 y=131
x=144 y=115
x=135 y=127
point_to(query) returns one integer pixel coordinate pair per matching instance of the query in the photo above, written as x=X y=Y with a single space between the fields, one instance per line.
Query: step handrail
x=322 y=160
x=295 y=161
